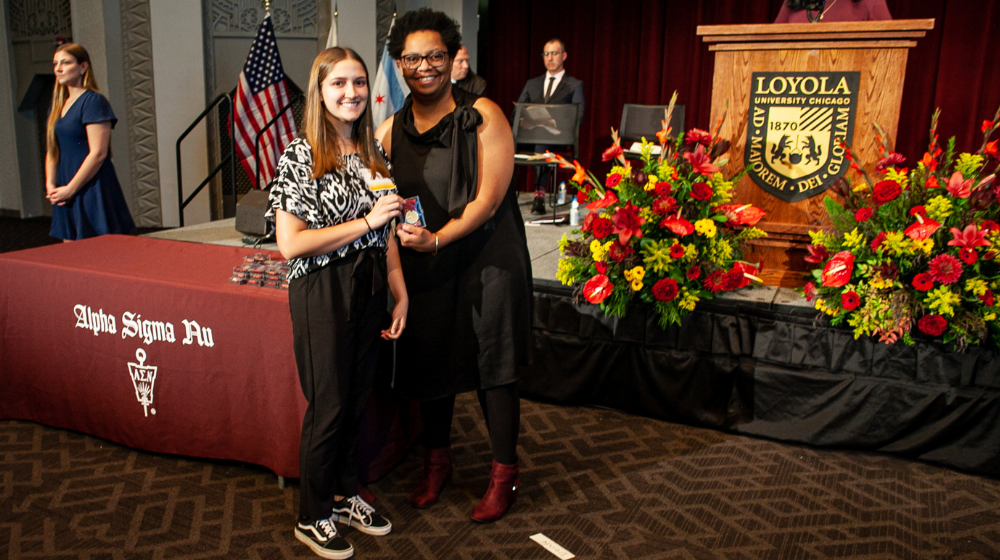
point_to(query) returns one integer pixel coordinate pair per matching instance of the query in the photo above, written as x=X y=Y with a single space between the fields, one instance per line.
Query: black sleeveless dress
x=469 y=322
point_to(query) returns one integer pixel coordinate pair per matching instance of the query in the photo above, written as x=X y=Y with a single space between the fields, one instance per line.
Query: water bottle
x=561 y=197
x=574 y=213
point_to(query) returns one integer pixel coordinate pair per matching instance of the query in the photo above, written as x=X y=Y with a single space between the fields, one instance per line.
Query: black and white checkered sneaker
x=357 y=513
x=321 y=536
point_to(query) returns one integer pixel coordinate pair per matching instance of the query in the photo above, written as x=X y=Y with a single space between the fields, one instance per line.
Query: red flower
x=989 y=226
x=923 y=281
x=676 y=251
x=849 y=300
x=701 y=191
x=986 y=126
x=585 y=226
x=618 y=251
x=933 y=324
x=838 y=271
x=739 y=215
x=615 y=151
x=930 y=162
x=680 y=226
x=959 y=187
x=597 y=288
x=580 y=177
x=945 y=269
x=922 y=228
x=602 y=267
x=885 y=191
x=991 y=149
x=665 y=290
x=988 y=298
x=746 y=273
x=968 y=256
x=970 y=237
x=663 y=188
x=601 y=227
x=701 y=162
x=627 y=222
x=693 y=273
x=863 y=214
x=932 y=182
x=877 y=242
x=810 y=291
x=608 y=200
x=663 y=135
x=700 y=136
x=817 y=254
x=613 y=180
x=891 y=160
x=712 y=281
x=664 y=205
x=919 y=209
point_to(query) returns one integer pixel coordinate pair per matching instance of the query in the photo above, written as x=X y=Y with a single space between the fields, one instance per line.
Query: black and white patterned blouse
x=334 y=198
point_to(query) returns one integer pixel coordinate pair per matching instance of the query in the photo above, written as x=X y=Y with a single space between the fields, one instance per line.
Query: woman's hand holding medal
x=386 y=208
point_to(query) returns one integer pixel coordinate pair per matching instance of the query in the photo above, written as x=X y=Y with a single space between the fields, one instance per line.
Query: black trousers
x=337 y=313
x=501 y=409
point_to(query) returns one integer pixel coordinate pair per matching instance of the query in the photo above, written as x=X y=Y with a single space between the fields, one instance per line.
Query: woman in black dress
x=333 y=200
x=467 y=272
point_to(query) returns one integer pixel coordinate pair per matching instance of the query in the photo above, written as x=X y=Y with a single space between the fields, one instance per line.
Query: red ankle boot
x=437 y=469
x=501 y=494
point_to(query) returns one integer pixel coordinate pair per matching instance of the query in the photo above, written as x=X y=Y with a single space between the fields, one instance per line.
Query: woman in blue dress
x=80 y=180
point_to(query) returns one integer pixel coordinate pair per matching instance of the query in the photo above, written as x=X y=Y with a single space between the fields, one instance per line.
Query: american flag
x=261 y=93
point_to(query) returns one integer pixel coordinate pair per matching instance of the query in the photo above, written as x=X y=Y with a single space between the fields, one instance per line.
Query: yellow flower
x=860 y=188
x=831 y=311
x=636 y=284
x=690 y=251
x=563 y=243
x=565 y=273
x=927 y=245
x=990 y=316
x=942 y=300
x=878 y=282
x=896 y=243
x=598 y=250
x=687 y=300
x=938 y=208
x=854 y=239
x=976 y=286
x=651 y=185
x=639 y=272
x=705 y=227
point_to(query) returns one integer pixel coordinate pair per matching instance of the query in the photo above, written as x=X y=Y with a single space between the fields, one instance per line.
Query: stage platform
x=543 y=246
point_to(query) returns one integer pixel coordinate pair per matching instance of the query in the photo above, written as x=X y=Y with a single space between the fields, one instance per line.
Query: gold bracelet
x=435 y=244
x=365 y=218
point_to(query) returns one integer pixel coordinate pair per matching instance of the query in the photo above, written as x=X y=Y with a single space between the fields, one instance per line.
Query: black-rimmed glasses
x=553 y=53
x=435 y=59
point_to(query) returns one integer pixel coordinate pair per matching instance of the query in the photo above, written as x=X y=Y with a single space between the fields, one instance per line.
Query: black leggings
x=501 y=409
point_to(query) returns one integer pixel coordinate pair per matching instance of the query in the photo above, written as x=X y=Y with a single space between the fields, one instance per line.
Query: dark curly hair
x=425 y=19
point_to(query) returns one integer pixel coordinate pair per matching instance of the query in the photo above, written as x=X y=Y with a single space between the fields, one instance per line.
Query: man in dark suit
x=463 y=76
x=554 y=86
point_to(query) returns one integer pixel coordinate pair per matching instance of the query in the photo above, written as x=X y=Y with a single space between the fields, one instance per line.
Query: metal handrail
x=256 y=142
x=231 y=158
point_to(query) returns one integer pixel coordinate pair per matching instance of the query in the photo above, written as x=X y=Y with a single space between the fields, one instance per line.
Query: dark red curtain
x=630 y=51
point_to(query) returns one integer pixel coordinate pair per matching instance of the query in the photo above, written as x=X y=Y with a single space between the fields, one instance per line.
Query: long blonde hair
x=60 y=94
x=320 y=132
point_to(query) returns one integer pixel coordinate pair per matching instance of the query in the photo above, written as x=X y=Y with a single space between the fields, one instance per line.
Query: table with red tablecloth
x=145 y=342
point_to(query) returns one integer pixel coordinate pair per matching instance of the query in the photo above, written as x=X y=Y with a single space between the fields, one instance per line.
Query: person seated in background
x=463 y=76
x=814 y=11
x=554 y=86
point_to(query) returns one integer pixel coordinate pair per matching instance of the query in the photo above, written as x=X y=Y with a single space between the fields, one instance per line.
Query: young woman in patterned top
x=332 y=201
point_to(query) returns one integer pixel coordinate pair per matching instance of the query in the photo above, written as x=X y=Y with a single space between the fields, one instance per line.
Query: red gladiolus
x=627 y=223
x=849 y=300
x=932 y=182
x=608 y=200
x=700 y=136
x=665 y=290
x=986 y=126
x=664 y=205
x=929 y=161
x=701 y=191
x=838 y=271
x=701 y=162
x=877 y=242
x=615 y=151
x=969 y=237
x=863 y=214
x=817 y=254
x=810 y=291
x=580 y=177
x=923 y=281
x=739 y=215
x=613 y=180
x=597 y=289
x=968 y=256
x=663 y=136
x=680 y=226
x=946 y=269
x=959 y=187
x=885 y=191
x=991 y=149
x=693 y=273
x=933 y=324
x=601 y=227
x=922 y=228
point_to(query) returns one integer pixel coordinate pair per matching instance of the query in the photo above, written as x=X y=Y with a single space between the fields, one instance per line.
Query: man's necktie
x=548 y=90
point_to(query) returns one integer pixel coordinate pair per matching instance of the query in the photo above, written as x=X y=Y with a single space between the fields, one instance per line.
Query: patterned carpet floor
x=600 y=483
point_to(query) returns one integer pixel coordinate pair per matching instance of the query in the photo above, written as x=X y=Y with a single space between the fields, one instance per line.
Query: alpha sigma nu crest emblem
x=143 y=377
x=799 y=122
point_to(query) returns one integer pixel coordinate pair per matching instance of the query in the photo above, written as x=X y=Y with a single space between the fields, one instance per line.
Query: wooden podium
x=872 y=53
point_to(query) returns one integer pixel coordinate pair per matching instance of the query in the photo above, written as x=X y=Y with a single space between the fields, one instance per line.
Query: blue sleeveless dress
x=99 y=207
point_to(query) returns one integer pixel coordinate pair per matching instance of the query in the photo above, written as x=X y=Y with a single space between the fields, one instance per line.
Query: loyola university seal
x=798 y=121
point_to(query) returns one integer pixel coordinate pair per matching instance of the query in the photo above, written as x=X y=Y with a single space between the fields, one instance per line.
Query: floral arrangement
x=914 y=246
x=662 y=230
